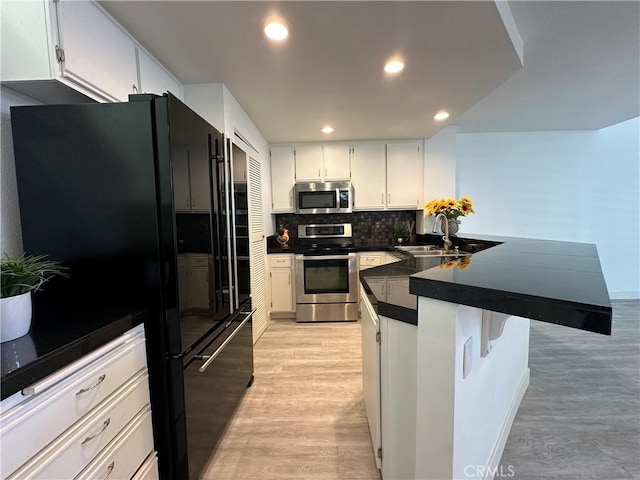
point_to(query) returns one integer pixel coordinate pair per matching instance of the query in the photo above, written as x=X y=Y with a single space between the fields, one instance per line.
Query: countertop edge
x=22 y=377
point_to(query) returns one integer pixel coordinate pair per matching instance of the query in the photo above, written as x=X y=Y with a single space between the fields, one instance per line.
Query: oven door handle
x=348 y=256
x=210 y=358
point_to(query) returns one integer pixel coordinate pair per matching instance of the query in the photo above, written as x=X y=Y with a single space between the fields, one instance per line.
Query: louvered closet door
x=258 y=250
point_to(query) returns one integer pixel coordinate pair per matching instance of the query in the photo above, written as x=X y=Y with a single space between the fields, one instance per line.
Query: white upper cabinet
x=154 y=78
x=199 y=182
x=405 y=171
x=98 y=54
x=282 y=178
x=323 y=163
x=336 y=159
x=68 y=50
x=368 y=176
x=180 y=167
x=308 y=163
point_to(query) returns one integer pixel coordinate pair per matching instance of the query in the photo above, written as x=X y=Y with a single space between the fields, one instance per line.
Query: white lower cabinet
x=371 y=372
x=373 y=259
x=148 y=470
x=281 y=283
x=67 y=420
x=389 y=358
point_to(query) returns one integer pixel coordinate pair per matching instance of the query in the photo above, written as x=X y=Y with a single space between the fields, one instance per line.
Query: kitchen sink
x=430 y=251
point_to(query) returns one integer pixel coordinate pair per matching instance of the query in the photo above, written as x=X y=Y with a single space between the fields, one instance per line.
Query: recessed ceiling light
x=327 y=129
x=395 y=65
x=276 y=29
x=442 y=115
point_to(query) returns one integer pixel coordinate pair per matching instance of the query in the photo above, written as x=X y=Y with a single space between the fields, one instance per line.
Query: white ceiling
x=581 y=64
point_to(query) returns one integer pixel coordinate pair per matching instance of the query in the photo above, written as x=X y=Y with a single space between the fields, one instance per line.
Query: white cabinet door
x=281 y=290
x=98 y=54
x=308 y=163
x=282 y=178
x=239 y=159
x=368 y=175
x=199 y=179
x=337 y=165
x=405 y=167
x=199 y=288
x=371 y=372
x=154 y=78
x=180 y=167
x=398 y=391
x=183 y=288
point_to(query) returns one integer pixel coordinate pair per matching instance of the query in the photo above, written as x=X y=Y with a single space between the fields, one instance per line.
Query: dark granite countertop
x=57 y=338
x=550 y=281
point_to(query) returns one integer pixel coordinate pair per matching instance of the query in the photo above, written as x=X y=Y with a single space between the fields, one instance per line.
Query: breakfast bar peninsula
x=449 y=368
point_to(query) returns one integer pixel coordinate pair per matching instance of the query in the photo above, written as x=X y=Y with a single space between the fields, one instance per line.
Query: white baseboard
x=621 y=295
x=498 y=447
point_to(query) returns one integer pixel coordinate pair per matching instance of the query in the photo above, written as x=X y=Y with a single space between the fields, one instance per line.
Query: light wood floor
x=304 y=415
x=580 y=417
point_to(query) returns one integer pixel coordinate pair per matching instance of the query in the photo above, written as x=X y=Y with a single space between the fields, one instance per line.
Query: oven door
x=327 y=278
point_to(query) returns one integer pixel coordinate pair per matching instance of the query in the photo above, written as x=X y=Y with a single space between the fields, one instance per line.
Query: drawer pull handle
x=104 y=427
x=109 y=470
x=100 y=380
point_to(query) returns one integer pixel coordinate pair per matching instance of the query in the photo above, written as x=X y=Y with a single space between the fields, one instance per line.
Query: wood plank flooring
x=580 y=417
x=304 y=416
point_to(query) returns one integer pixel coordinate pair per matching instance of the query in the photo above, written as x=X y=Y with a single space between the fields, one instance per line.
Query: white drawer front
x=198 y=260
x=122 y=457
x=280 y=261
x=148 y=470
x=77 y=447
x=34 y=423
x=370 y=260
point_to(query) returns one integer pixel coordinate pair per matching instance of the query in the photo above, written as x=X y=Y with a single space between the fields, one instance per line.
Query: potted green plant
x=18 y=278
x=399 y=232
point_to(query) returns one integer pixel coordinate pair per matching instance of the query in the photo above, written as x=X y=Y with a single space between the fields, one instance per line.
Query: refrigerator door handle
x=210 y=358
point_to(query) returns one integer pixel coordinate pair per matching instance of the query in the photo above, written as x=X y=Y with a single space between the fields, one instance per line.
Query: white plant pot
x=15 y=316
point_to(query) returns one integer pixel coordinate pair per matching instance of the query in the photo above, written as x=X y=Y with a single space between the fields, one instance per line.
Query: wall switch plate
x=467 y=356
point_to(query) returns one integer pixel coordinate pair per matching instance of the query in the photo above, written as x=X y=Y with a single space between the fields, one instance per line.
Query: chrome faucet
x=445 y=238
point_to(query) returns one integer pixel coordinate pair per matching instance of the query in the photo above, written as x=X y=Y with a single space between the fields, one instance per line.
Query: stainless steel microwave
x=324 y=197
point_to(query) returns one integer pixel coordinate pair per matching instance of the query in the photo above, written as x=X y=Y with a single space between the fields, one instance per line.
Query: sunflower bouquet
x=450 y=207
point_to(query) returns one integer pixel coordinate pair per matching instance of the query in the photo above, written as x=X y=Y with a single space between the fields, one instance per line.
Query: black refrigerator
x=137 y=200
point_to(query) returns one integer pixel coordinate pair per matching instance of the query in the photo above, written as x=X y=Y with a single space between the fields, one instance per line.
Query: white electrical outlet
x=466 y=359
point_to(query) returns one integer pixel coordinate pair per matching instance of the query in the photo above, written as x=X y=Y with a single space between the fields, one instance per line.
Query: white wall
x=581 y=186
x=10 y=231
x=439 y=171
x=462 y=424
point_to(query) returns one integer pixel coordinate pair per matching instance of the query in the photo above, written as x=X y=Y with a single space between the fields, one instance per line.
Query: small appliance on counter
x=326 y=274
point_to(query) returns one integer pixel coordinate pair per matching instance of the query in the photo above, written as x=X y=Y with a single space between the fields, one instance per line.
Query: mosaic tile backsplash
x=369 y=228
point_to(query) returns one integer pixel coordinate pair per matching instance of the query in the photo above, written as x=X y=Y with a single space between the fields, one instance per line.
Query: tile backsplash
x=373 y=228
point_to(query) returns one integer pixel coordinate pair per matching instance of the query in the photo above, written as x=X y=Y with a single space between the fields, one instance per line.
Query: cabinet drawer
x=198 y=260
x=35 y=422
x=280 y=261
x=148 y=470
x=123 y=457
x=370 y=260
x=76 y=448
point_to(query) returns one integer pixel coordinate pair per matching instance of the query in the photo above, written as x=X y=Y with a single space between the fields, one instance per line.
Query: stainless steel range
x=326 y=274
